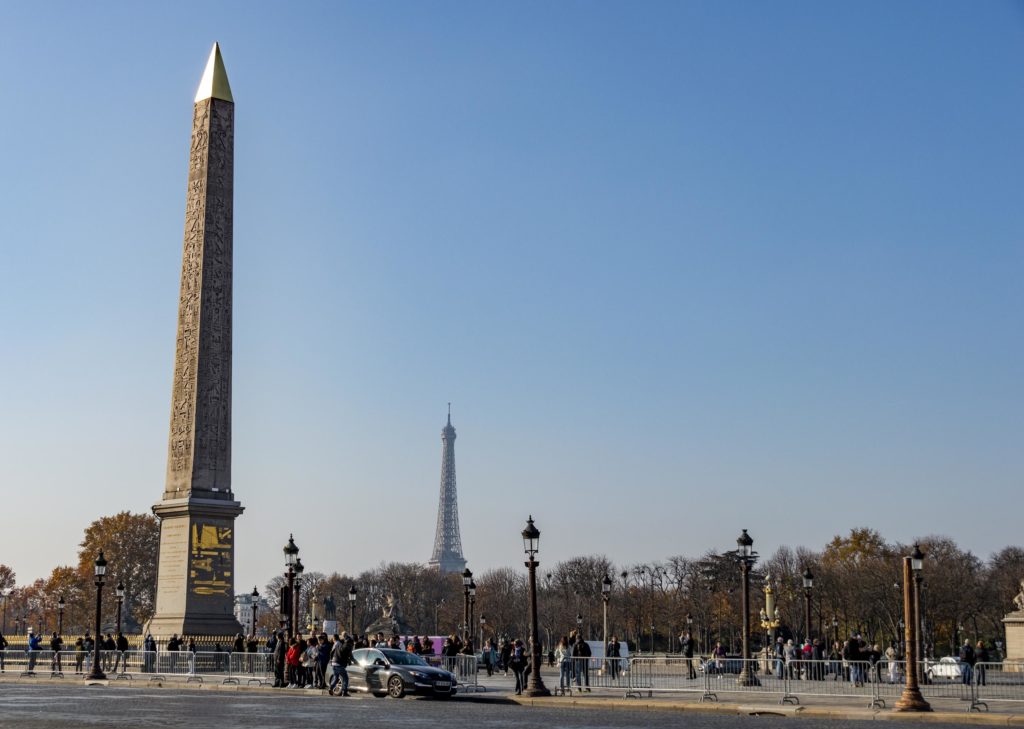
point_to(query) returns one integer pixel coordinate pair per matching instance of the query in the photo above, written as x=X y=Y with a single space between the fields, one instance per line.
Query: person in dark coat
x=614 y=657
x=280 y=651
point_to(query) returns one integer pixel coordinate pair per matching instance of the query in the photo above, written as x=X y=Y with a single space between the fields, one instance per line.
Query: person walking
x=293 y=659
x=581 y=665
x=518 y=665
x=341 y=657
x=563 y=659
x=614 y=657
x=686 y=644
x=981 y=657
x=121 y=645
x=967 y=661
x=34 y=643
x=79 y=655
x=506 y=655
x=56 y=643
x=489 y=656
x=279 y=657
x=88 y=644
x=149 y=653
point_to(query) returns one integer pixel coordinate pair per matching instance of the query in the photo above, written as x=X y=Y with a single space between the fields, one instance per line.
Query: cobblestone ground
x=43 y=707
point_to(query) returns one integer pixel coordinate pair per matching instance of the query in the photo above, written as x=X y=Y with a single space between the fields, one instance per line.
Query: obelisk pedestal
x=195 y=579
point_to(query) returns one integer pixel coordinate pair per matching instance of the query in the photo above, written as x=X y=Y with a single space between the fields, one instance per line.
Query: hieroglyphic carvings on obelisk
x=199 y=451
x=195 y=582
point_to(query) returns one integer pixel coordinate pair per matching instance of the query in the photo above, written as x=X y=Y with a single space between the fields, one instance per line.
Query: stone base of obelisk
x=1014 y=623
x=195 y=592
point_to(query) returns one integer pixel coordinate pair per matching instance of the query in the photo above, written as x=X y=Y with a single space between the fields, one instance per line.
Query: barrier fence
x=463 y=667
x=877 y=684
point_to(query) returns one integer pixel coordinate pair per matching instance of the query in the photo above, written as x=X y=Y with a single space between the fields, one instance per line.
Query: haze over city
x=680 y=271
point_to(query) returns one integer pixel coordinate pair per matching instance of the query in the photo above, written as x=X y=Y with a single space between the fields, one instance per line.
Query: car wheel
x=396 y=687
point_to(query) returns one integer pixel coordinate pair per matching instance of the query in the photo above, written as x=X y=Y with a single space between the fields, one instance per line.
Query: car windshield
x=402 y=658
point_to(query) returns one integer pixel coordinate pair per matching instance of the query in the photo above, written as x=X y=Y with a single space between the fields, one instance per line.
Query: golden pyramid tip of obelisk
x=215 y=79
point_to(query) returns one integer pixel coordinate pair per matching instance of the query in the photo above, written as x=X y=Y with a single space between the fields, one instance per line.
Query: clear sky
x=681 y=268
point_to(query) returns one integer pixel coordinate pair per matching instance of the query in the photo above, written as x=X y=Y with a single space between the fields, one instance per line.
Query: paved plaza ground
x=47 y=705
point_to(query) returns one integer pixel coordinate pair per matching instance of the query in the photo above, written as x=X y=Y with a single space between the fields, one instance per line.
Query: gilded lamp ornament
x=770 y=619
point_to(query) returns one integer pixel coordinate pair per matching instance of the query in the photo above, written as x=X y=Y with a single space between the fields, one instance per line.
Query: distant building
x=447 y=555
x=243 y=611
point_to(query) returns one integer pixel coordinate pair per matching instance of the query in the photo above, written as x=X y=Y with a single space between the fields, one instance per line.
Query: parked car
x=395 y=673
x=948 y=668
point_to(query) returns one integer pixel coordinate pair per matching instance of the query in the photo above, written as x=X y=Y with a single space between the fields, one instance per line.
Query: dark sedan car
x=395 y=673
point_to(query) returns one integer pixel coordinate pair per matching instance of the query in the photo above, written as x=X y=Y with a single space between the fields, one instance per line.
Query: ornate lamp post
x=255 y=604
x=746 y=556
x=467 y=580
x=472 y=610
x=911 y=700
x=808 y=586
x=352 y=593
x=689 y=630
x=7 y=593
x=297 y=614
x=100 y=571
x=119 y=593
x=835 y=629
x=606 y=594
x=483 y=626
x=770 y=619
x=531 y=544
x=291 y=556
x=60 y=615
x=917 y=565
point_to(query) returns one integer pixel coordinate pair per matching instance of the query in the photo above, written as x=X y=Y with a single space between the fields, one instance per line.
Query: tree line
x=857 y=588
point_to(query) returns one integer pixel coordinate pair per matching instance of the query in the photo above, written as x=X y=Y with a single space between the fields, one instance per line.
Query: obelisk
x=195 y=581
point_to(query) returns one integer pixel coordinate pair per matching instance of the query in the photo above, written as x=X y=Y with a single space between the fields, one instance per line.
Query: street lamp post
x=917 y=566
x=472 y=611
x=483 y=626
x=7 y=592
x=60 y=616
x=352 y=593
x=835 y=629
x=531 y=545
x=467 y=580
x=100 y=571
x=255 y=603
x=606 y=594
x=746 y=556
x=297 y=615
x=119 y=593
x=911 y=700
x=291 y=556
x=808 y=586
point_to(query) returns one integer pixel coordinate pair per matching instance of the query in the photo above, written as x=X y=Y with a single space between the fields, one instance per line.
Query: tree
x=7 y=577
x=131 y=545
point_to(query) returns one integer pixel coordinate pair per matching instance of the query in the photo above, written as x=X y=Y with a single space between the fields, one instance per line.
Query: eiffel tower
x=447 y=555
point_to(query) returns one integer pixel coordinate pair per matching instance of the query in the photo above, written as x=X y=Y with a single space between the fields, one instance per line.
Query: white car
x=948 y=668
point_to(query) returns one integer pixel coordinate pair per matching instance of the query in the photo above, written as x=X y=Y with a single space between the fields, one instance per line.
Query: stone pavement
x=497 y=696
x=43 y=704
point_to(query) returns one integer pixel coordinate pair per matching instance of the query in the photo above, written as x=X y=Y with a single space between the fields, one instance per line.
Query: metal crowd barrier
x=463 y=667
x=253 y=668
x=593 y=674
x=999 y=682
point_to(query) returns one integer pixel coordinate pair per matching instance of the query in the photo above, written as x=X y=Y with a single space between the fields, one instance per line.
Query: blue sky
x=681 y=268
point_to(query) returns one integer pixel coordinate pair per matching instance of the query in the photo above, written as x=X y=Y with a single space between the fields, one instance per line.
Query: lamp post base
x=96 y=675
x=535 y=691
x=747 y=678
x=912 y=700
